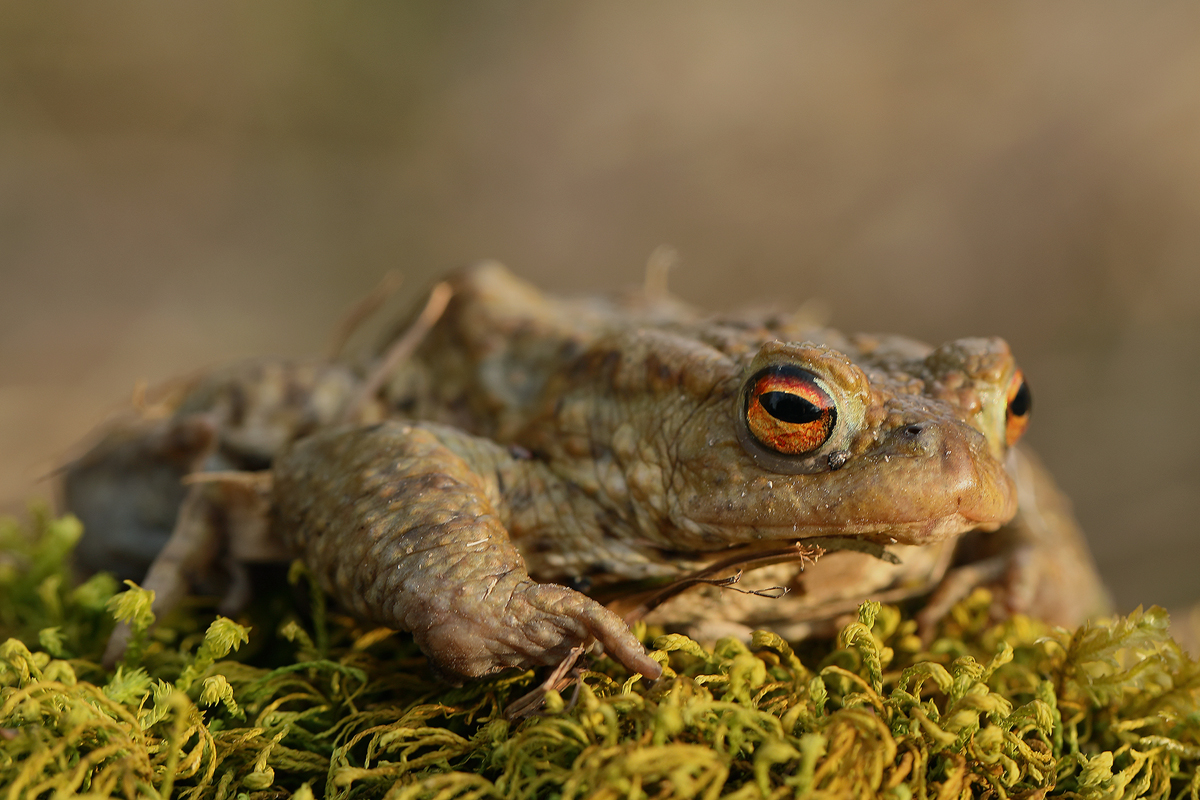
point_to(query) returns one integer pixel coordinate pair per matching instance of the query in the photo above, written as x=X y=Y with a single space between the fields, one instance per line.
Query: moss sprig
x=337 y=710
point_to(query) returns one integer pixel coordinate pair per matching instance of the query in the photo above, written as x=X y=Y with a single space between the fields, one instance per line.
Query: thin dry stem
x=402 y=349
x=364 y=308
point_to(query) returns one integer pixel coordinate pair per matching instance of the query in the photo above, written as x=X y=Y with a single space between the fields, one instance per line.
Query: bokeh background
x=182 y=184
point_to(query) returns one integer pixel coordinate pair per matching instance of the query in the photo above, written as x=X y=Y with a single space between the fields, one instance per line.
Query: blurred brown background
x=184 y=184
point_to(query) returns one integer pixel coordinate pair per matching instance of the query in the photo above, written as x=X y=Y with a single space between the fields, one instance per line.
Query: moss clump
x=1009 y=710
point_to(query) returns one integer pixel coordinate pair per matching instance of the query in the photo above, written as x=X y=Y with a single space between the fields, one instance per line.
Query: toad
x=539 y=469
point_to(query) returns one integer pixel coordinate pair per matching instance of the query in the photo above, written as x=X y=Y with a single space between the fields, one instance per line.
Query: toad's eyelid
x=788 y=377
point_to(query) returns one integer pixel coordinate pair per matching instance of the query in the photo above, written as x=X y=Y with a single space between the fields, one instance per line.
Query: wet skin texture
x=532 y=444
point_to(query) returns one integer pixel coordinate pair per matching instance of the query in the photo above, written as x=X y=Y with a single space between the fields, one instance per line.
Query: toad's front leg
x=402 y=531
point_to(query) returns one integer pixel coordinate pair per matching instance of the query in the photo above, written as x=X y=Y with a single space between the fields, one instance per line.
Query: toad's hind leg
x=402 y=531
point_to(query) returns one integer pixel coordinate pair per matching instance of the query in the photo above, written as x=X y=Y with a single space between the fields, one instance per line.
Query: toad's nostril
x=922 y=439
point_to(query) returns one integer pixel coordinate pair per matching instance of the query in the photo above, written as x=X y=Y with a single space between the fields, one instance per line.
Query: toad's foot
x=403 y=531
x=511 y=621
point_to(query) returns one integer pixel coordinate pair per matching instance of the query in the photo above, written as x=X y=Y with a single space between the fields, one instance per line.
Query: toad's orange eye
x=1020 y=403
x=788 y=411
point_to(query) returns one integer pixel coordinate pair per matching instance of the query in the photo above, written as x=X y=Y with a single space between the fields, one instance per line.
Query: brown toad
x=533 y=447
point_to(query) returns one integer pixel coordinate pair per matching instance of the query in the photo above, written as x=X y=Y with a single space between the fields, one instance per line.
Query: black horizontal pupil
x=788 y=407
x=1021 y=402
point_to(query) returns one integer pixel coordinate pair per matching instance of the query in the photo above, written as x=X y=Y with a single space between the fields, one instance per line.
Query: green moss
x=1010 y=710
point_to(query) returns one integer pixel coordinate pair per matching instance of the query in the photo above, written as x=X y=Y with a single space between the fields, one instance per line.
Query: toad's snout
x=943 y=471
